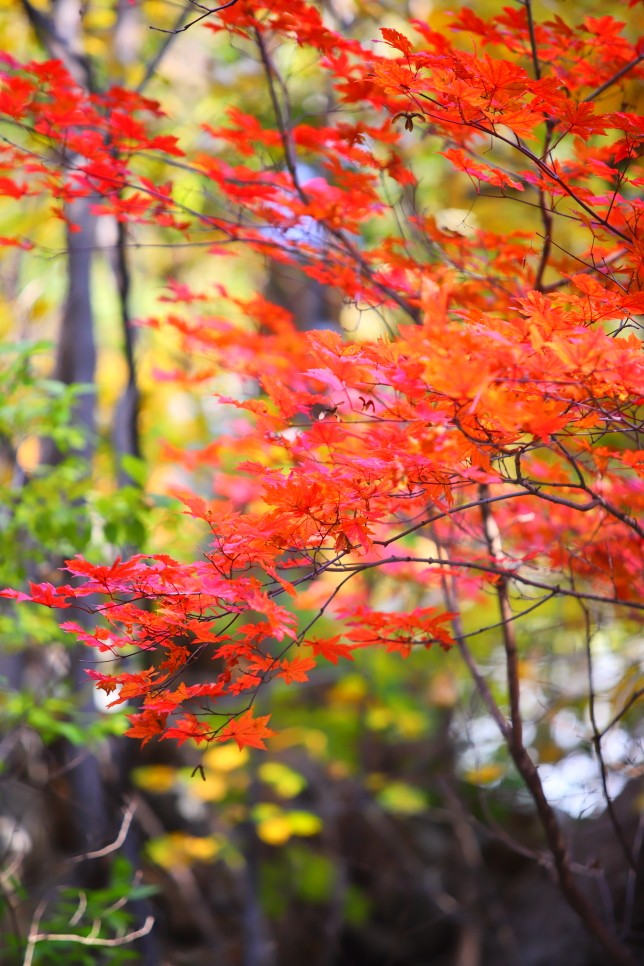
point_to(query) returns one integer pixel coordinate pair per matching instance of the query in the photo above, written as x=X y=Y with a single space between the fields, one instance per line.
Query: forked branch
x=618 y=953
x=207 y=12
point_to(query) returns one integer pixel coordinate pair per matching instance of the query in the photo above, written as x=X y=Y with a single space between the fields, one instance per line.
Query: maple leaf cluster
x=491 y=437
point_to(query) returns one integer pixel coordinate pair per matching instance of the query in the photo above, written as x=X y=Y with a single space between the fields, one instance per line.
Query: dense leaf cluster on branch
x=492 y=442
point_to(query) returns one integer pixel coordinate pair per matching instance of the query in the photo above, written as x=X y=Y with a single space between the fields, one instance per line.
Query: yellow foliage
x=402 y=799
x=314 y=740
x=225 y=758
x=351 y=689
x=485 y=774
x=155 y=778
x=212 y=789
x=286 y=782
x=275 y=830
x=275 y=826
x=179 y=849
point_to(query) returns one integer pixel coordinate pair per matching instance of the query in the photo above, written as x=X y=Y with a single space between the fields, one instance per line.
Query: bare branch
x=208 y=12
x=283 y=125
x=607 y=261
x=448 y=513
x=480 y=683
x=617 y=76
x=597 y=744
x=533 y=39
x=544 y=168
x=634 y=698
x=154 y=62
x=619 y=954
x=91 y=940
x=499 y=571
x=128 y=815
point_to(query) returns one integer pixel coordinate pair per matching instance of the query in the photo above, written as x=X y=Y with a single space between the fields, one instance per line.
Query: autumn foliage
x=473 y=434
x=486 y=442
x=490 y=441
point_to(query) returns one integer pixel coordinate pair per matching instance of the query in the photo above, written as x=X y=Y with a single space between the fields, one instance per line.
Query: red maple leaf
x=247 y=731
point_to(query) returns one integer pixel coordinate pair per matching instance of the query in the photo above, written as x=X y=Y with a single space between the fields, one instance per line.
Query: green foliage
x=40 y=513
x=32 y=404
x=101 y=914
x=55 y=716
x=299 y=874
x=383 y=728
x=49 y=513
x=123 y=515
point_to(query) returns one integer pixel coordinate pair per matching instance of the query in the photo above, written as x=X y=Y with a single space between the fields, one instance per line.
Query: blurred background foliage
x=384 y=824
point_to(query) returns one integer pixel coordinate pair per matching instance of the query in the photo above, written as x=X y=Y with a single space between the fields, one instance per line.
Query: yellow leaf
x=226 y=757
x=351 y=689
x=402 y=799
x=155 y=778
x=304 y=823
x=275 y=830
x=379 y=718
x=178 y=849
x=212 y=789
x=286 y=782
x=484 y=775
x=313 y=739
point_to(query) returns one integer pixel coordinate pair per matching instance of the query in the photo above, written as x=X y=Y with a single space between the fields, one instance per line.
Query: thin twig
x=448 y=513
x=613 y=80
x=606 y=262
x=549 y=172
x=208 y=12
x=635 y=696
x=91 y=940
x=614 y=511
x=488 y=569
x=118 y=841
x=597 y=744
x=545 y=210
x=290 y=159
x=154 y=62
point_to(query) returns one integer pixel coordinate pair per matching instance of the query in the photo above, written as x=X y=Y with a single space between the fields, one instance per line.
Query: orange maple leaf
x=247 y=731
x=296 y=670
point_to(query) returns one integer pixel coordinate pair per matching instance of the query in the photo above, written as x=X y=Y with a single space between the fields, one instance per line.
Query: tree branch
x=597 y=740
x=619 y=954
x=616 y=76
x=92 y=939
x=208 y=12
